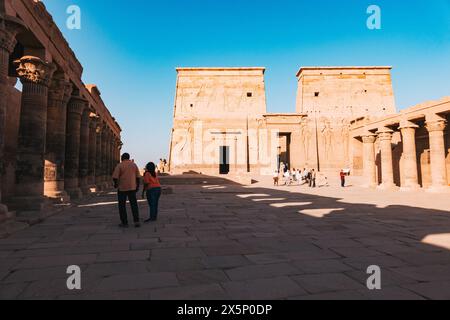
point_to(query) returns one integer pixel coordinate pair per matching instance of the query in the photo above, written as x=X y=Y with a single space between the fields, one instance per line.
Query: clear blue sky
x=130 y=49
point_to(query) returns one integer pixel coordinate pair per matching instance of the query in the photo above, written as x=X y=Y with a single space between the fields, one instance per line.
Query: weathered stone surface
x=261 y=271
x=327 y=282
x=197 y=292
x=263 y=289
x=138 y=281
x=439 y=290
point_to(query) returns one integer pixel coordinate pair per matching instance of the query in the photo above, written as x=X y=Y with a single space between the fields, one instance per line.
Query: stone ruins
x=345 y=118
x=57 y=138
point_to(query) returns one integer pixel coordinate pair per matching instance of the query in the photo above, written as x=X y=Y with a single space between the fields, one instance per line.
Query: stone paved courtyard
x=219 y=240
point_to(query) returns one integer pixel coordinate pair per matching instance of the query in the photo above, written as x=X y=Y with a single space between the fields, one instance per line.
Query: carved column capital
x=385 y=134
x=438 y=125
x=77 y=105
x=34 y=70
x=369 y=138
x=68 y=90
x=408 y=125
x=60 y=88
x=94 y=118
x=9 y=28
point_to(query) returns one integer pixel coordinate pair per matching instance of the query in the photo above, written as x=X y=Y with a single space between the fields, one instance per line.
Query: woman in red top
x=152 y=187
x=343 y=175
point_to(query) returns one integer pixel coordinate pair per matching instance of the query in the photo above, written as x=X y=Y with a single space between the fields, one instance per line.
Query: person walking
x=276 y=178
x=313 y=176
x=126 y=179
x=153 y=190
x=287 y=178
x=342 y=174
x=282 y=168
x=305 y=175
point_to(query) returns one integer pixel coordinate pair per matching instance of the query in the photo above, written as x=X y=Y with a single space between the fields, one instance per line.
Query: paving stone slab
x=391 y=293
x=268 y=258
x=28 y=275
x=138 y=282
x=261 y=271
x=176 y=253
x=193 y=292
x=196 y=277
x=362 y=263
x=436 y=290
x=333 y=296
x=54 y=261
x=175 y=265
x=115 y=268
x=327 y=282
x=52 y=288
x=12 y=291
x=322 y=266
x=119 y=256
x=225 y=262
x=429 y=273
x=263 y=289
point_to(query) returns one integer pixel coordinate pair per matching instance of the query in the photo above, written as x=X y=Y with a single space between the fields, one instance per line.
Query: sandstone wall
x=346 y=92
x=220 y=93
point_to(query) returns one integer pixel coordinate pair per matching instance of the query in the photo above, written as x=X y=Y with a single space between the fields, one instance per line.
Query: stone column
x=9 y=27
x=117 y=152
x=369 y=163
x=75 y=109
x=84 y=152
x=98 y=158
x=108 y=158
x=409 y=166
x=55 y=151
x=35 y=76
x=104 y=146
x=387 y=167
x=436 y=126
x=113 y=147
x=92 y=149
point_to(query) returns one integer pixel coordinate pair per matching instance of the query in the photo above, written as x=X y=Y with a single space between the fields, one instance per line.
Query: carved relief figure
x=306 y=138
x=327 y=135
x=345 y=135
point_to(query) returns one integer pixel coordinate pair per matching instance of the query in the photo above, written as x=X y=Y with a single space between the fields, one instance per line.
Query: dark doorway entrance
x=224 y=167
x=284 y=149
